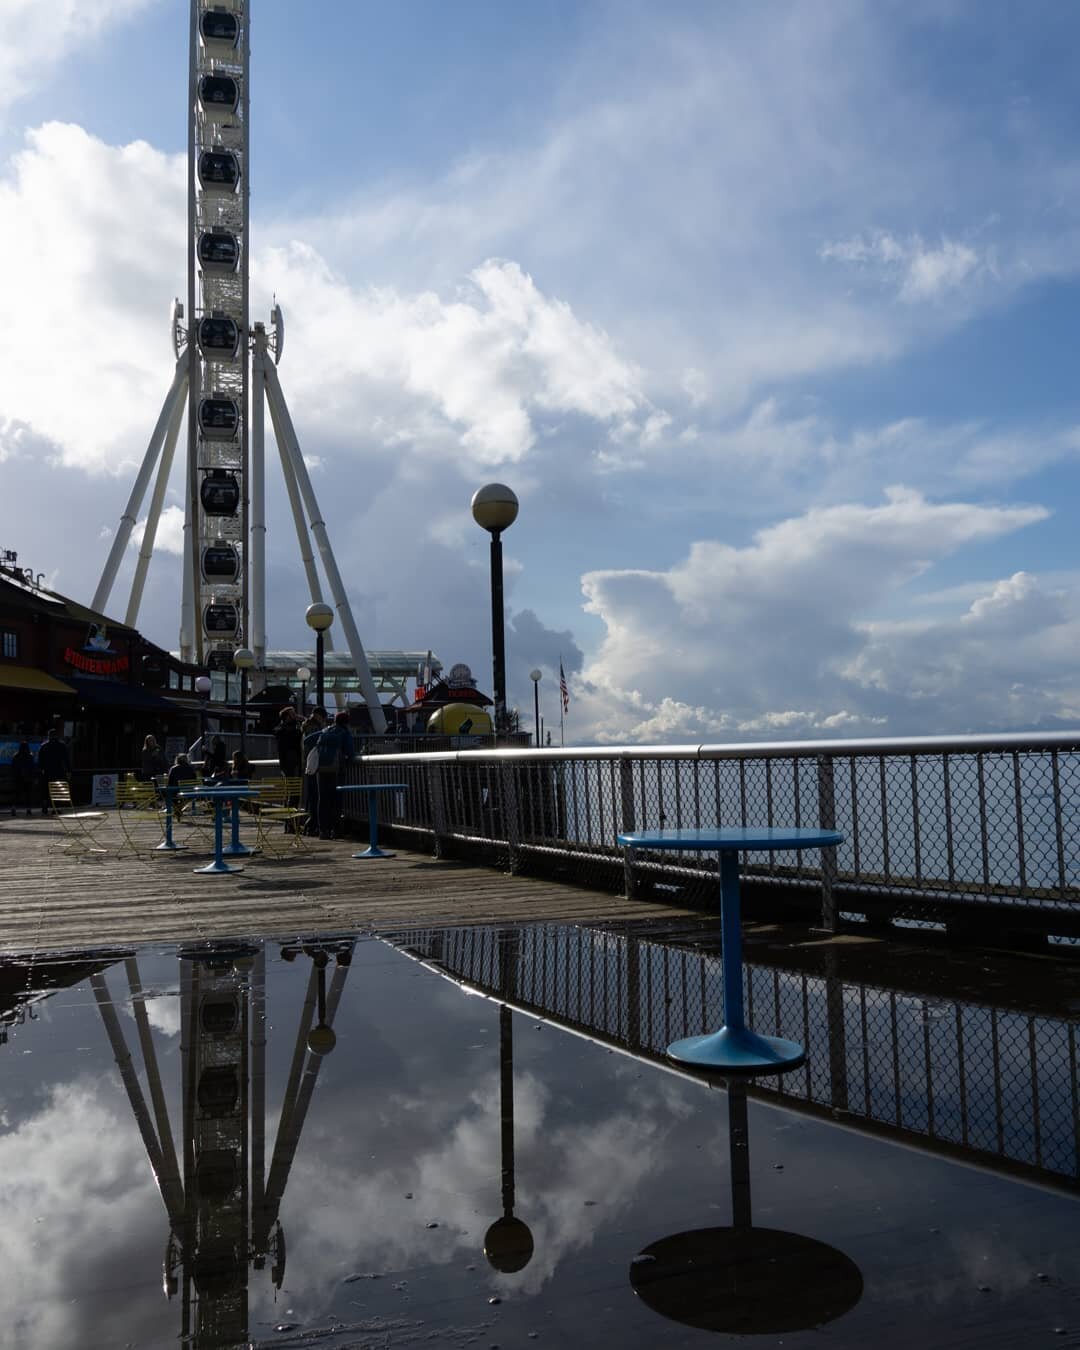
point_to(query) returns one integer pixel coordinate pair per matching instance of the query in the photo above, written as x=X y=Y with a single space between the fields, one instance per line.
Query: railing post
x=507 y=776
x=626 y=816
x=834 y=1003
x=438 y=807
x=827 y=820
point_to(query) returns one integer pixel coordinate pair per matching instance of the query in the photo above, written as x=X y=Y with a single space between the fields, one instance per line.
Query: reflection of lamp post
x=303 y=675
x=202 y=688
x=535 y=676
x=319 y=617
x=508 y=1243
x=495 y=509
x=243 y=660
x=321 y=1038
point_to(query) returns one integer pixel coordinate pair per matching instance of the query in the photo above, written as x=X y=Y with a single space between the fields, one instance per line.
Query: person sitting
x=180 y=776
x=241 y=766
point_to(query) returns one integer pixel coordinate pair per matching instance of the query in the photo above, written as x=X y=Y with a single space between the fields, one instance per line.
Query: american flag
x=563 y=691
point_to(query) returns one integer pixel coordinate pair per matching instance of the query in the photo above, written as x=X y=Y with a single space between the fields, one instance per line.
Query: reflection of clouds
x=74 y=1198
x=446 y=1151
x=162 y=1011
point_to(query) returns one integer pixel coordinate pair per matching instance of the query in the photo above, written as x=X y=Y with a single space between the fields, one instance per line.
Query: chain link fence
x=996 y=1084
x=936 y=831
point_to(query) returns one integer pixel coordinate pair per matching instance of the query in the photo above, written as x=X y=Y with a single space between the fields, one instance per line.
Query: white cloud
x=35 y=38
x=170 y=532
x=780 y=635
x=918 y=270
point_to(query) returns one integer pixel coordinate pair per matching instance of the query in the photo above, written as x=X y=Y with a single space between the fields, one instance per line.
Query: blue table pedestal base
x=216 y=868
x=733 y=1050
x=374 y=851
x=237 y=851
x=168 y=846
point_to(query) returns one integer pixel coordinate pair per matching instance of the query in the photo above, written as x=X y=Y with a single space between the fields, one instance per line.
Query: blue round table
x=220 y=796
x=373 y=789
x=734 y=1049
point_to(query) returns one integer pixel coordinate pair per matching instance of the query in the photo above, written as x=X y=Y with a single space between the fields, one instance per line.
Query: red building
x=99 y=682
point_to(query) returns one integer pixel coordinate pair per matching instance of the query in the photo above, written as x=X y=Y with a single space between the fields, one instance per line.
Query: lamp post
x=319 y=617
x=243 y=660
x=495 y=509
x=303 y=675
x=535 y=676
x=202 y=688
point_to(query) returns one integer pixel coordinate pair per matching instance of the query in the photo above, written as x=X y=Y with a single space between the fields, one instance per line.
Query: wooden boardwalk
x=52 y=900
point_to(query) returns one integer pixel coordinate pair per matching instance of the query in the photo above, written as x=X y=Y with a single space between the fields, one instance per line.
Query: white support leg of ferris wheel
x=303 y=539
x=258 y=504
x=176 y=394
x=153 y=516
x=289 y=445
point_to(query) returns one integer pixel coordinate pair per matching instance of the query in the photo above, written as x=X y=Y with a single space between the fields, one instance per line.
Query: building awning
x=26 y=677
x=116 y=694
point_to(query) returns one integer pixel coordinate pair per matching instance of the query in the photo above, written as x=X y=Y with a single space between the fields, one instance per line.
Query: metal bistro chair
x=274 y=811
x=138 y=809
x=79 y=827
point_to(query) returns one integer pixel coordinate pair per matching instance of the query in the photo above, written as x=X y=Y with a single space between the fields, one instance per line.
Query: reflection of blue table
x=220 y=796
x=373 y=789
x=734 y=1048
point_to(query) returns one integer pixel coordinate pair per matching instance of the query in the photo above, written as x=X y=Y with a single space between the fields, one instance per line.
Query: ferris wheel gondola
x=219 y=30
x=219 y=172
x=220 y=493
x=218 y=251
x=219 y=96
x=221 y=618
x=219 y=419
x=220 y=563
x=219 y=337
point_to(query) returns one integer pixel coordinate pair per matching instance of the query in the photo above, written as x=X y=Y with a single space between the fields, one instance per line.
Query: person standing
x=336 y=749
x=23 y=770
x=54 y=762
x=215 y=760
x=312 y=729
x=153 y=759
x=289 y=742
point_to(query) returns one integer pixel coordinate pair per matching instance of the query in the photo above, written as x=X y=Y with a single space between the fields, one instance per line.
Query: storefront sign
x=96 y=665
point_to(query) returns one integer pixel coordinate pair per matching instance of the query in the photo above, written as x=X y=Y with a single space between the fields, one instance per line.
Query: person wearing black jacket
x=23 y=770
x=289 y=742
x=53 y=761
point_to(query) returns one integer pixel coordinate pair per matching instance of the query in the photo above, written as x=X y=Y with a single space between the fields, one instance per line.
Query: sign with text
x=103 y=790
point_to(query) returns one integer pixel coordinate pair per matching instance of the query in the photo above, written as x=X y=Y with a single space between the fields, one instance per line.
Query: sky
x=765 y=312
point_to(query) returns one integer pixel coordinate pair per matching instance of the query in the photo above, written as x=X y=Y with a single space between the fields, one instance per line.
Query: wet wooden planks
x=52 y=899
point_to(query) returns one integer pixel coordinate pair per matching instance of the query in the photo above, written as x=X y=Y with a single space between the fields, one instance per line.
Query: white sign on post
x=103 y=792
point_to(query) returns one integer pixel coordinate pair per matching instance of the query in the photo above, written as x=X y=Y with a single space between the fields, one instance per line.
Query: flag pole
x=562 y=704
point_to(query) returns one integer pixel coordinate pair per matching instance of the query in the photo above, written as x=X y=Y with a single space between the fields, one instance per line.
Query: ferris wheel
x=225 y=376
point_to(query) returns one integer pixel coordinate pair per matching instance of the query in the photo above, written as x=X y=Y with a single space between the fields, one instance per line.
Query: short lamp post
x=243 y=660
x=495 y=509
x=535 y=676
x=202 y=688
x=303 y=675
x=319 y=617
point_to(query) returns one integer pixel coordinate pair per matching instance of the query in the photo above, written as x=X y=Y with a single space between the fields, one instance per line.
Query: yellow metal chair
x=140 y=815
x=79 y=827
x=276 y=812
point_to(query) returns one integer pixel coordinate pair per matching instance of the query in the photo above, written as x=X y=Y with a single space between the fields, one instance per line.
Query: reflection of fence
x=996 y=1085
x=964 y=829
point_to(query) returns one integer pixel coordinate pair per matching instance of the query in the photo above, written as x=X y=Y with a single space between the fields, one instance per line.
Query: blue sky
x=766 y=313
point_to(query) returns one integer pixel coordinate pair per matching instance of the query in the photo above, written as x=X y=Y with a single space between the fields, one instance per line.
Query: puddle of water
x=177 y=1164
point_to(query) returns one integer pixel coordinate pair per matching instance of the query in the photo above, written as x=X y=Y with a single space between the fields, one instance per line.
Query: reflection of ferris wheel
x=223 y=603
